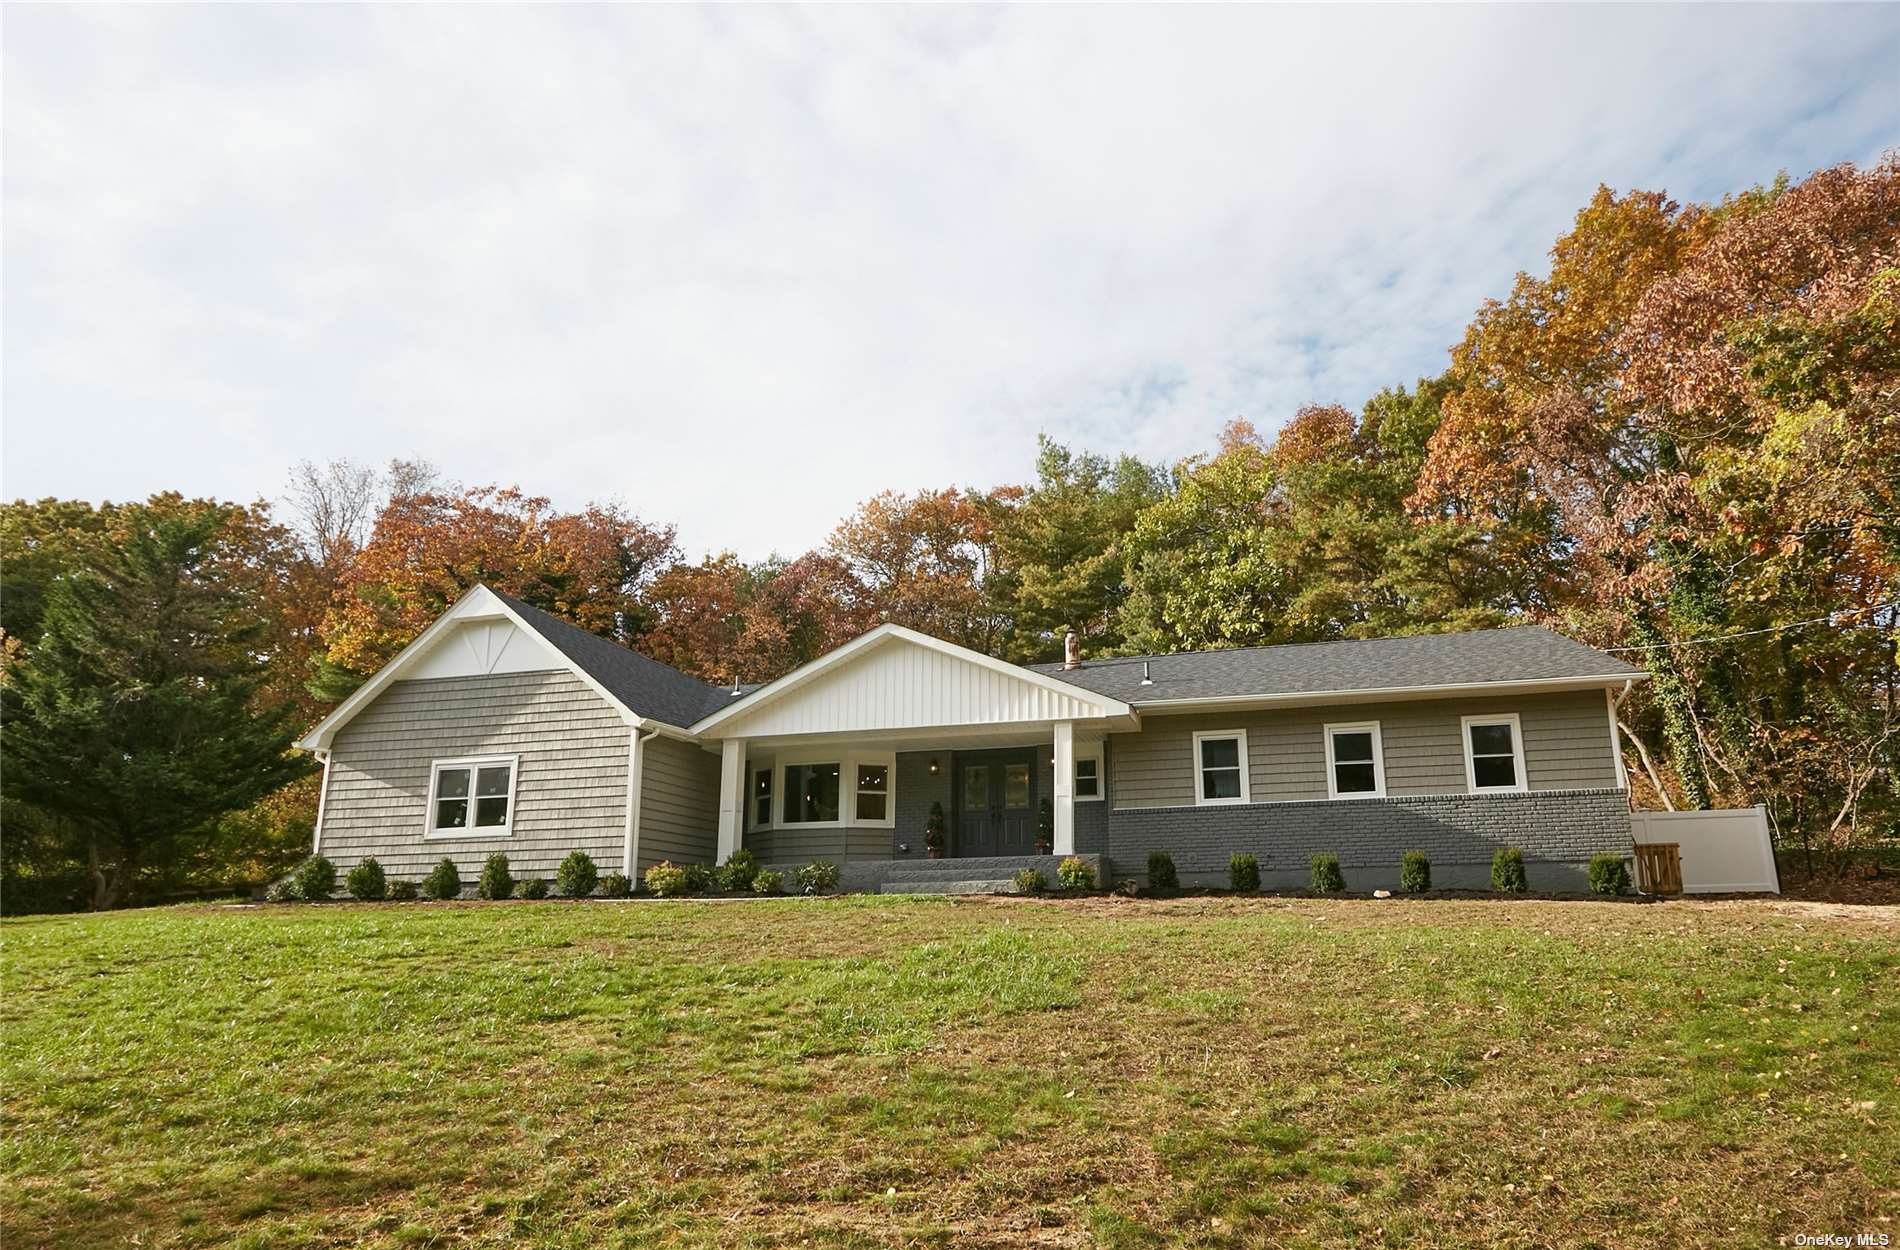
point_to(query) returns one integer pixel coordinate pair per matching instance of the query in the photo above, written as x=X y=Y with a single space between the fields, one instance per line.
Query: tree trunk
x=109 y=877
x=1648 y=767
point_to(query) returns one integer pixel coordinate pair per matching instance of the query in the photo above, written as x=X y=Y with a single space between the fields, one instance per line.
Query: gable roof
x=1516 y=656
x=644 y=686
x=1008 y=691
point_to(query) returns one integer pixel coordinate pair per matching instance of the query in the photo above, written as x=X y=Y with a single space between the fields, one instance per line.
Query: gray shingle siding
x=679 y=803
x=1558 y=831
x=571 y=793
x=1566 y=747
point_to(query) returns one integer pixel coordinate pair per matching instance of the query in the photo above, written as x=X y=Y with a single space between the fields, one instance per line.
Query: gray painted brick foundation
x=1558 y=831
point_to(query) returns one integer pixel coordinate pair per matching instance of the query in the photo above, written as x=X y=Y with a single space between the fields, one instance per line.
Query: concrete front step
x=942 y=885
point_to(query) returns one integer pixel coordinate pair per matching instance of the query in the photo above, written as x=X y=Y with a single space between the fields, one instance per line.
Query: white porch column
x=1064 y=843
x=731 y=796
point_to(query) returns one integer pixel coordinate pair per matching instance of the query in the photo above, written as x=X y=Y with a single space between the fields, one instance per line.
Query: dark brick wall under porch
x=1558 y=831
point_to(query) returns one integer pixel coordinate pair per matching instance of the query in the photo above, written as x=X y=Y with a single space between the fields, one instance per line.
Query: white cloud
x=745 y=267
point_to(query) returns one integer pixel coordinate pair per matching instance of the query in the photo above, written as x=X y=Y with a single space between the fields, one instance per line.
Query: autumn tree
x=922 y=560
x=724 y=620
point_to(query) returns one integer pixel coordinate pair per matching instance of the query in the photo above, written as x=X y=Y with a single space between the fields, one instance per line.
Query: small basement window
x=1220 y=758
x=1355 y=761
x=1494 y=753
x=472 y=798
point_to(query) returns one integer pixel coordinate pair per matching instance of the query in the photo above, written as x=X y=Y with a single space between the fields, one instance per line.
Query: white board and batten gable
x=894 y=678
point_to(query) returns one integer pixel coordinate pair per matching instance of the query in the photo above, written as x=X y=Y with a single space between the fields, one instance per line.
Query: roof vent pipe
x=1145 y=679
x=1071 y=650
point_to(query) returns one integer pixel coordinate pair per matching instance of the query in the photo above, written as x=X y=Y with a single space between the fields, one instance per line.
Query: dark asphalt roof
x=1524 y=653
x=650 y=688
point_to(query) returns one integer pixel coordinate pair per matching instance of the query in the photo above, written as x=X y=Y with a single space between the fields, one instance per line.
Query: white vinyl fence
x=1728 y=852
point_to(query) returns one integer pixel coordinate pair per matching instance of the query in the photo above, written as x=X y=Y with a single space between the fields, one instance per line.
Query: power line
x=1748 y=633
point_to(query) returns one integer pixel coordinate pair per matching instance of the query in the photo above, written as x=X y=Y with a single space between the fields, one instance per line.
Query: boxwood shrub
x=737 y=872
x=315 y=878
x=1161 y=874
x=443 y=881
x=531 y=887
x=699 y=878
x=616 y=885
x=577 y=876
x=1415 y=872
x=1327 y=876
x=1076 y=873
x=496 y=881
x=1609 y=874
x=1031 y=881
x=666 y=880
x=1243 y=873
x=367 y=882
x=1507 y=871
x=768 y=882
x=402 y=889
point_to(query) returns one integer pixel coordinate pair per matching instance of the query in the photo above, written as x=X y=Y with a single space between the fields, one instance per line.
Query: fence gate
x=1659 y=867
x=1721 y=852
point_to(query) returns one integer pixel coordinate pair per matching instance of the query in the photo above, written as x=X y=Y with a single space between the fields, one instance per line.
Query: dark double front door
x=995 y=797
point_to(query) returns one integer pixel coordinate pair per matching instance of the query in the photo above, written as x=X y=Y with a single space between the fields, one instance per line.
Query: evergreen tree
x=135 y=718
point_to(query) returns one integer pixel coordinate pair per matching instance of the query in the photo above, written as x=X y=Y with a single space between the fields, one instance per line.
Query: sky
x=742 y=268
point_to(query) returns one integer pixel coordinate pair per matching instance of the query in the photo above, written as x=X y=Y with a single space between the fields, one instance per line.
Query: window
x=1494 y=752
x=1220 y=759
x=1016 y=786
x=1088 y=778
x=761 y=797
x=811 y=793
x=976 y=787
x=874 y=792
x=1355 y=761
x=472 y=798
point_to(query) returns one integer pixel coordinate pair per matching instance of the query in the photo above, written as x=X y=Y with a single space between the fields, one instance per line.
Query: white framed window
x=811 y=793
x=1494 y=753
x=472 y=797
x=1220 y=767
x=1355 y=761
x=874 y=794
x=762 y=796
x=1088 y=776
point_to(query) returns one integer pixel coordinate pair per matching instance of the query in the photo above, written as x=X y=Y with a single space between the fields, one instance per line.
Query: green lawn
x=919 y=1072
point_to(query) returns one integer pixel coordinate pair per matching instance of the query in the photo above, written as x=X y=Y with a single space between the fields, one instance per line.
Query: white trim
x=323 y=796
x=474 y=764
x=1246 y=789
x=1376 y=694
x=1517 y=752
x=799 y=676
x=1092 y=754
x=1378 y=760
x=1610 y=700
x=636 y=758
x=480 y=603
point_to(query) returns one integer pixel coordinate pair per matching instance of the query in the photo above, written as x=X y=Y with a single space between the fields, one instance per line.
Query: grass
x=860 y=1072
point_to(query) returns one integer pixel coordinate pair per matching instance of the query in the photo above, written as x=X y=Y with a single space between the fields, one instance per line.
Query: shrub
x=768 y=883
x=315 y=878
x=577 y=876
x=616 y=885
x=933 y=829
x=531 y=887
x=737 y=872
x=1327 y=877
x=443 y=881
x=699 y=878
x=1243 y=873
x=666 y=880
x=284 y=891
x=1161 y=874
x=1609 y=874
x=1031 y=881
x=366 y=881
x=496 y=881
x=1076 y=873
x=402 y=890
x=817 y=877
x=1507 y=871
x=1415 y=872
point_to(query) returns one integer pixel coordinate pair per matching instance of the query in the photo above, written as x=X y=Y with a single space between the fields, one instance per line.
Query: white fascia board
x=799 y=676
x=1385 y=694
x=479 y=604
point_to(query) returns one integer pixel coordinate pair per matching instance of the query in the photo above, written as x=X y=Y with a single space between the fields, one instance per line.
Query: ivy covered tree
x=134 y=720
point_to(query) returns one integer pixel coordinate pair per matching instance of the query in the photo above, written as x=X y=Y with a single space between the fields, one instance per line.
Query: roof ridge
x=1313 y=642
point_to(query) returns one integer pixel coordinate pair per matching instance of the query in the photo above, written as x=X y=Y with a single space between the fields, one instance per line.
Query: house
x=505 y=728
